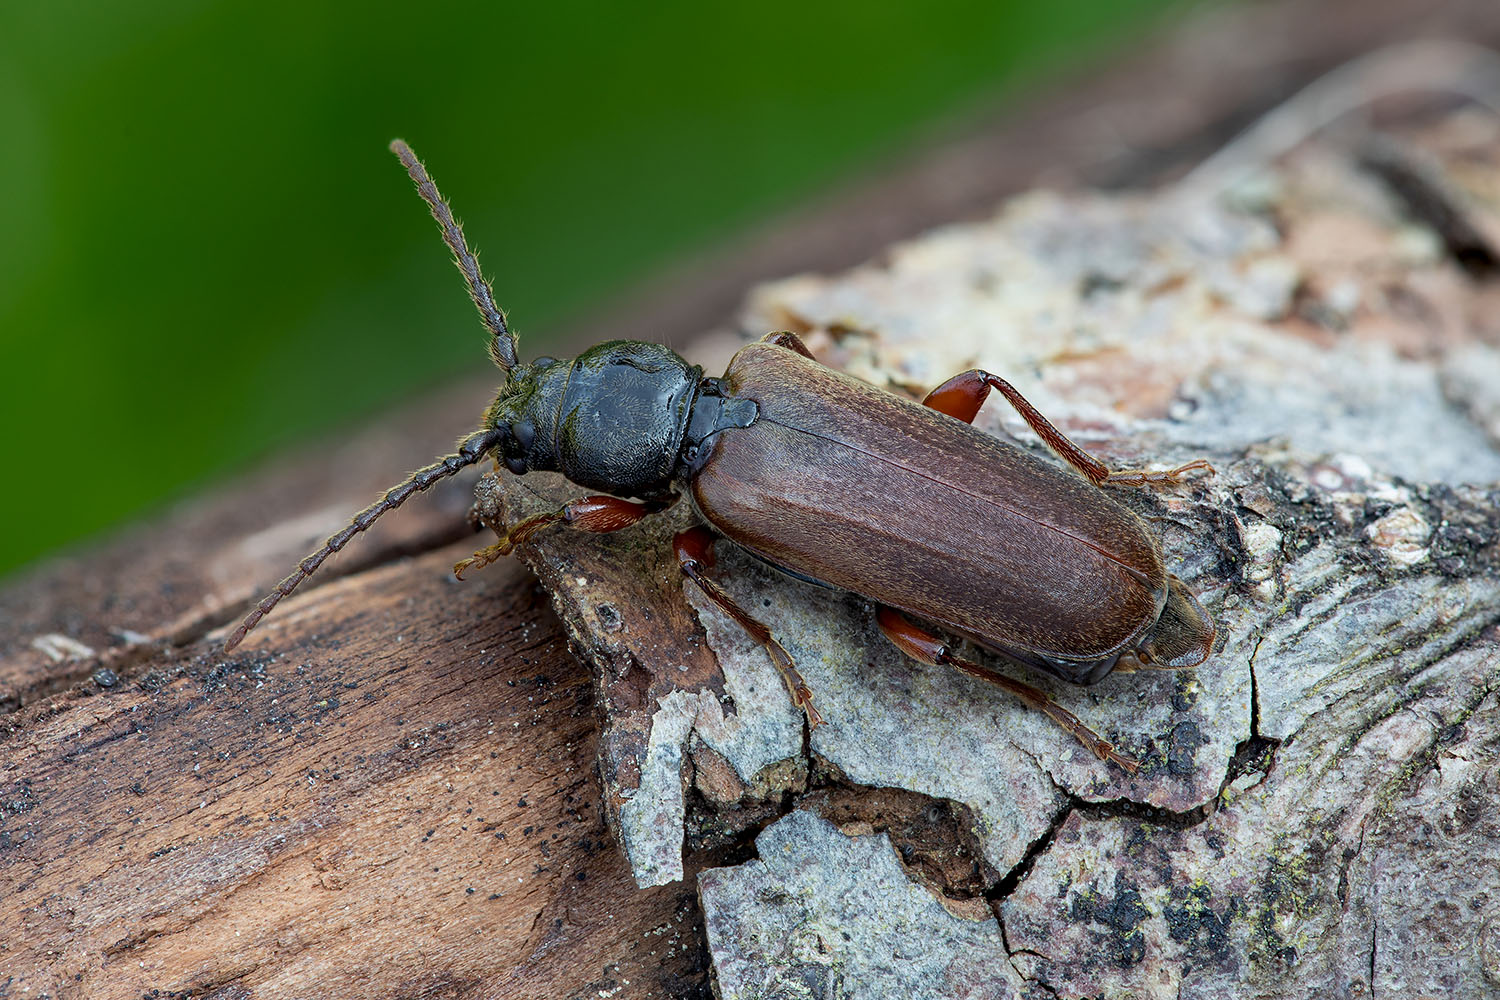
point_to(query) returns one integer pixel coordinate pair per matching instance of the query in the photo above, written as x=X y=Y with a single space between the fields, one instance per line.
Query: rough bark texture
x=1321 y=333
x=390 y=790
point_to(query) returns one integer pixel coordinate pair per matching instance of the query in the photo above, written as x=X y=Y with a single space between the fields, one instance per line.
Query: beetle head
x=1184 y=634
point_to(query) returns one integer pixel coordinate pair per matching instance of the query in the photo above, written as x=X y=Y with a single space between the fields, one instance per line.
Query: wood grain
x=338 y=809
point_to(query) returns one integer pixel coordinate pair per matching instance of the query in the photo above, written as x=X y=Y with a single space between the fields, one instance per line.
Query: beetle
x=836 y=482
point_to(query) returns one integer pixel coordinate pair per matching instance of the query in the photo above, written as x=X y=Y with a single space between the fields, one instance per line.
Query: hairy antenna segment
x=470 y=452
x=502 y=343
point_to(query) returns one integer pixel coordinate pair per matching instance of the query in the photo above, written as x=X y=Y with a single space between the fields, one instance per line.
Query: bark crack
x=1255 y=753
x=997 y=894
x=1009 y=882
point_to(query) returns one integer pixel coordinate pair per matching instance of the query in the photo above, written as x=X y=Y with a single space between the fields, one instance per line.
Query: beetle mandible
x=834 y=481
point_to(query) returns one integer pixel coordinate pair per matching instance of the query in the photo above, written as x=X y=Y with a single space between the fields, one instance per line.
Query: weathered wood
x=165 y=583
x=337 y=810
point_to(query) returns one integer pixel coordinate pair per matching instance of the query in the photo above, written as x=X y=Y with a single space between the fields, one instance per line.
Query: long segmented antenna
x=502 y=342
x=471 y=451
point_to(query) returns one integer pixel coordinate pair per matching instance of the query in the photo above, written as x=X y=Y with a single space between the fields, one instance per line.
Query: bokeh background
x=208 y=252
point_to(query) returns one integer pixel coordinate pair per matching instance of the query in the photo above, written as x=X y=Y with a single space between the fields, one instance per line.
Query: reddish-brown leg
x=599 y=514
x=1129 y=664
x=963 y=394
x=922 y=645
x=789 y=340
x=695 y=553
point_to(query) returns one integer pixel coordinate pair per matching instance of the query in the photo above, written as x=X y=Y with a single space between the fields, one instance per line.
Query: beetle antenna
x=502 y=341
x=471 y=451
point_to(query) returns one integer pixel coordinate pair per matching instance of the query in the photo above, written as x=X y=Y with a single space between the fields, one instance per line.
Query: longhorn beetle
x=838 y=482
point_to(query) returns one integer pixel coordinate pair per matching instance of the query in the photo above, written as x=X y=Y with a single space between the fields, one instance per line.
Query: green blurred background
x=208 y=252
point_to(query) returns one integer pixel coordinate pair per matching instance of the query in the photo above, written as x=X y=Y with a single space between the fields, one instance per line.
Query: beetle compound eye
x=524 y=433
x=513 y=451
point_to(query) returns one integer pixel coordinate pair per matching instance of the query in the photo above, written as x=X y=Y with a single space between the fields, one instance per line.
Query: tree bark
x=390 y=790
x=1319 y=330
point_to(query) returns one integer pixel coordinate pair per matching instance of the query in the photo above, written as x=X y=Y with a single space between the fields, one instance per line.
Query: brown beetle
x=837 y=482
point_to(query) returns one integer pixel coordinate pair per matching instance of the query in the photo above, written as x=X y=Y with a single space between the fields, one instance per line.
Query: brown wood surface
x=309 y=816
x=340 y=809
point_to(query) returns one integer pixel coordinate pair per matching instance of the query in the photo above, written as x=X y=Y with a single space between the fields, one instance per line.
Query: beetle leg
x=1157 y=479
x=963 y=394
x=599 y=514
x=695 y=553
x=482 y=558
x=1129 y=663
x=789 y=340
x=922 y=645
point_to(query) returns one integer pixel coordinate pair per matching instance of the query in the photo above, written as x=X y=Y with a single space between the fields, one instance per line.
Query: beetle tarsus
x=482 y=558
x=1159 y=480
x=802 y=695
